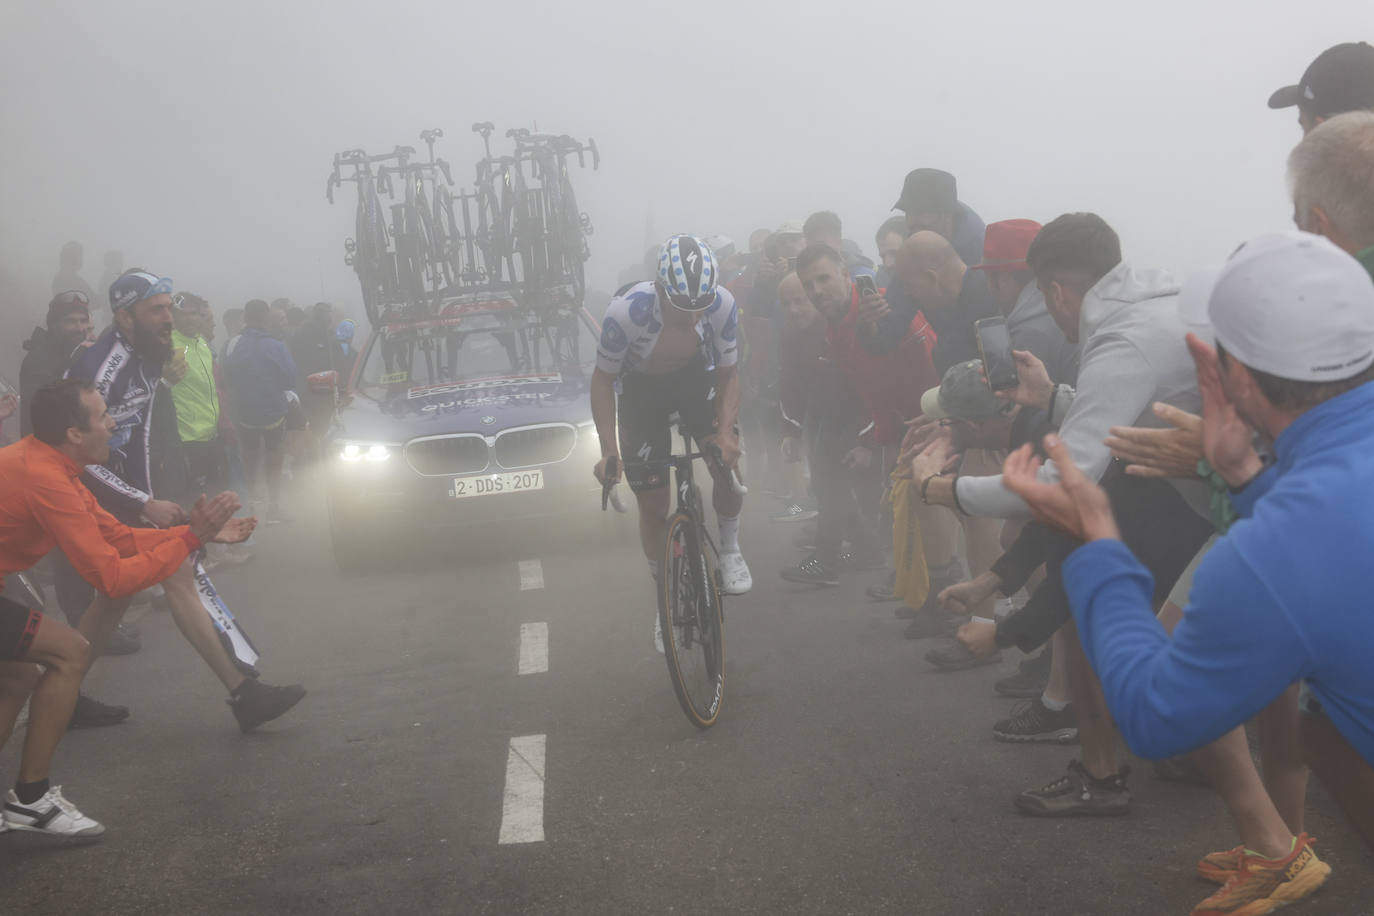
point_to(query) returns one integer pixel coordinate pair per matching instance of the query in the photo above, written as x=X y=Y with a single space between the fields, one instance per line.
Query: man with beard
x=126 y=366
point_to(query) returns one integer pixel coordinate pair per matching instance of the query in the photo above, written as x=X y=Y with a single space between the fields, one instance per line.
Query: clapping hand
x=1073 y=504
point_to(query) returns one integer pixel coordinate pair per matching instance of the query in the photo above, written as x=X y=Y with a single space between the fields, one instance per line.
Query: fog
x=196 y=137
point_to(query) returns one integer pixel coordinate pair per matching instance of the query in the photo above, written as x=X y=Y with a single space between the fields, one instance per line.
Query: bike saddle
x=483 y=127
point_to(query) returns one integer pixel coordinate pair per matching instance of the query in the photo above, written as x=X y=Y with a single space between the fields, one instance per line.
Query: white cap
x=1290 y=304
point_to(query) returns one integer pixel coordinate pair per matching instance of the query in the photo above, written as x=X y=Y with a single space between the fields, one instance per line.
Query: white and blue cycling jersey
x=633 y=322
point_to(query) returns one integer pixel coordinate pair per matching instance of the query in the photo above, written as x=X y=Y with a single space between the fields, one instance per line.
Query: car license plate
x=491 y=484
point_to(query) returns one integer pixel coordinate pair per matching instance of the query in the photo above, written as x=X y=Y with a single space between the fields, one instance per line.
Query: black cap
x=1340 y=79
x=928 y=191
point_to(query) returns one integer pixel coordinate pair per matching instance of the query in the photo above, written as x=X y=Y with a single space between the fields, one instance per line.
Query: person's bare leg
x=1096 y=730
x=17 y=680
x=1057 y=688
x=65 y=655
x=653 y=522
x=100 y=621
x=1345 y=774
x=1285 y=773
x=724 y=499
x=1229 y=768
x=198 y=628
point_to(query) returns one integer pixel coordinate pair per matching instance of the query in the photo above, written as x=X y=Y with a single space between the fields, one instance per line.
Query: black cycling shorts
x=644 y=406
x=18 y=627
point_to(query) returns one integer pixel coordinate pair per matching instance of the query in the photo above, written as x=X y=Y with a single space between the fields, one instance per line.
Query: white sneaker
x=734 y=573
x=658 y=636
x=51 y=814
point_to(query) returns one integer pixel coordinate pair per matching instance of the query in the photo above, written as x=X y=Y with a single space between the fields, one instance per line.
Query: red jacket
x=890 y=384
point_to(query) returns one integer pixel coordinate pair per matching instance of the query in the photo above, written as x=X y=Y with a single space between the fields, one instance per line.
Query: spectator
x=1332 y=175
x=233 y=327
x=952 y=297
x=930 y=201
x=1132 y=356
x=260 y=374
x=195 y=396
x=50 y=348
x=818 y=401
x=824 y=228
x=1278 y=598
x=1341 y=79
x=68 y=277
x=312 y=350
x=890 y=238
x=1011 y=286
x=344 y=356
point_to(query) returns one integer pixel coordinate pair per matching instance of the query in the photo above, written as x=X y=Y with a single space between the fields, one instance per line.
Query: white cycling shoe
x=658 y=636
x=734 y=574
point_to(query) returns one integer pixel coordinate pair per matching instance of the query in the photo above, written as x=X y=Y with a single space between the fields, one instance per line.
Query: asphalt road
x=844 y=776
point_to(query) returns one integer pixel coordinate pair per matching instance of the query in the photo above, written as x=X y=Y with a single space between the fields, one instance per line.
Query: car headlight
x=366 y=451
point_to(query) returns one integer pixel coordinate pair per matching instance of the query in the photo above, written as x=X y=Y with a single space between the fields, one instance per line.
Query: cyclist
x=667 y=345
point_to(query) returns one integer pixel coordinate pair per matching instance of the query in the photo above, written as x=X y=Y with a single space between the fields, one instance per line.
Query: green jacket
x=195 y=397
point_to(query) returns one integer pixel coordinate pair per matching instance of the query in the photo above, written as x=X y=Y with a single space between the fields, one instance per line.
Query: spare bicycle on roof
x=431 y=251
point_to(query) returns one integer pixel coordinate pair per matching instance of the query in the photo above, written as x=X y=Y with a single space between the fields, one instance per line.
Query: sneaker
x=1035 y=723
x=658 y=636
x=257 y=703
x=795 y=513
x=1218 y=867
x=52 y=814
x=90 y=713
x=735 y=578
x=122 y=642
x=812 y=571
x=1264 y=885
x=1076 y=793
x=957 y=657
x=1030 y=679
x=926 y=624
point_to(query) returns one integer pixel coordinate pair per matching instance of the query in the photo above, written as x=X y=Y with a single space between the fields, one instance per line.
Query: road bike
x=690 y=608
x=368 y=251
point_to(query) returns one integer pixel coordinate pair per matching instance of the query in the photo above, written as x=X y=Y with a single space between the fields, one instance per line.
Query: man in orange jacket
x=43 y=505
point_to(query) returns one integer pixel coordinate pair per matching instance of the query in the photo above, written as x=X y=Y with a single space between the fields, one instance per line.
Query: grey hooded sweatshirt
x=1032 y=328
x=1133 y=354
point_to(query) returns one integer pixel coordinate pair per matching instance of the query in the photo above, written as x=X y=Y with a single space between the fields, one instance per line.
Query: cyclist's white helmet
x=687 y=273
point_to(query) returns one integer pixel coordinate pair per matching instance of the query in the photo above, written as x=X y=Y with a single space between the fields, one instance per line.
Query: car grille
x=445 y=455
x=524 y=448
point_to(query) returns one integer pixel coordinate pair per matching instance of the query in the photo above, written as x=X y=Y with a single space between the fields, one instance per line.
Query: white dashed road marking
x=534 y=648
x=531 y=575
x=522 y=815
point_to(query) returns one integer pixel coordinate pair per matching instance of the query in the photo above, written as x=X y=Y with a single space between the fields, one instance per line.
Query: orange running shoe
x=1263 y=885
x=1218 y=867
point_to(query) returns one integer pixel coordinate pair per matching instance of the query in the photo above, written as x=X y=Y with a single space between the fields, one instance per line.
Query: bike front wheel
x=689 y=613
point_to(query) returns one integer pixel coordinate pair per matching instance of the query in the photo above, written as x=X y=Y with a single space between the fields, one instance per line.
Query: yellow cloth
x=913 y=579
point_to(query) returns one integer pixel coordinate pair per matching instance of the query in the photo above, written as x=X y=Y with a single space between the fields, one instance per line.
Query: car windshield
x=403 y=356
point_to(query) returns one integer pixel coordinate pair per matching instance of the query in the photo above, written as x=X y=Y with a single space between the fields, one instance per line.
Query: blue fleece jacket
x=260 y=372
x=1281 y=597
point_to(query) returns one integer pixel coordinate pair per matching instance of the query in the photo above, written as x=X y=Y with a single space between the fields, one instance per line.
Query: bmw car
x=478 y=416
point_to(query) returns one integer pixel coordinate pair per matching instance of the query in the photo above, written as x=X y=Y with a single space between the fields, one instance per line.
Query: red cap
x=1005 y=244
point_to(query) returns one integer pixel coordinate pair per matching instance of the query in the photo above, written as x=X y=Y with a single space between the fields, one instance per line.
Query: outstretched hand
x=1227 y=440
x=1073 y=504
x=208 y=516
x=236 y=530
x=1173 y=451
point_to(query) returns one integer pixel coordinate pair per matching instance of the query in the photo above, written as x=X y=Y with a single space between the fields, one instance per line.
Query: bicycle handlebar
x=710 y=453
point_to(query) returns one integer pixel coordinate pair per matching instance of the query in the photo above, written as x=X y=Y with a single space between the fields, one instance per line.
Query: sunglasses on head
x=70 y=297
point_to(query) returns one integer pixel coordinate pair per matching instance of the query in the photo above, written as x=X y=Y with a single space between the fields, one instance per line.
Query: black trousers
x=845 y=499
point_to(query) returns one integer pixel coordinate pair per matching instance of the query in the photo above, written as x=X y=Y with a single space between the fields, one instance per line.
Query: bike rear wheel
x=689 y=612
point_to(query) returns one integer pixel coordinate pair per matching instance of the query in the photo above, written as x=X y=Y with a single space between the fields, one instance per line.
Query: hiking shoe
x=90 y=713
x=926 y=624
x=1077 y=793
x=122 y=642
x=1030 y=680
x=1180 y=770
x=812 y=571
x=256 y=702
x=52 y=814
x=957 y=657
x=795 y=513
x=1264 y=885
x=1035 y=723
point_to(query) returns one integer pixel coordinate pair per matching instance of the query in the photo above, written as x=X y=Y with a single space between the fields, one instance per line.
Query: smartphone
x=866 y=284
x=994 y=345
